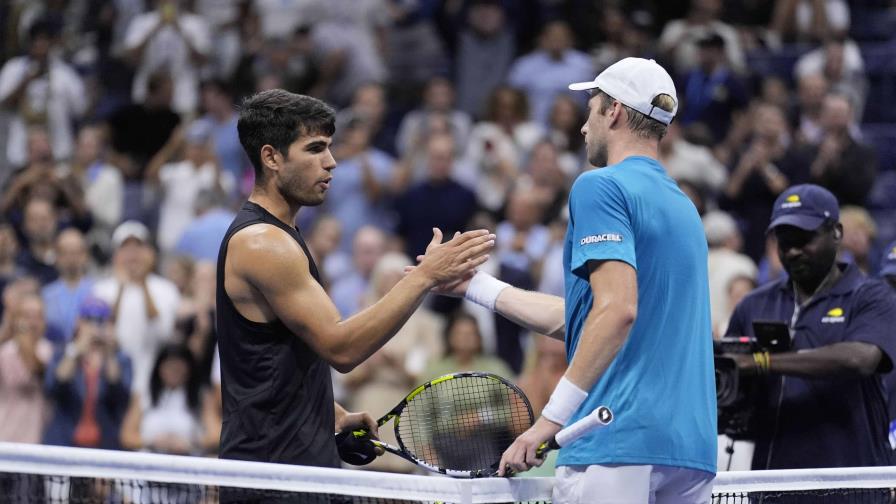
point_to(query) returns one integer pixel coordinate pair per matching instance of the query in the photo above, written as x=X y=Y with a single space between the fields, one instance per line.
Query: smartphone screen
x=772 y=335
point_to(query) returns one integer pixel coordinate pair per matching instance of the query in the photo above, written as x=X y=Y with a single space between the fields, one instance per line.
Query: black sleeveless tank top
x=277 y=393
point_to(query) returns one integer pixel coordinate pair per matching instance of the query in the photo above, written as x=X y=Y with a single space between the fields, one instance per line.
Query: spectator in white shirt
x=144 y=304
x=41 y=90
x=169 y=39
x=181 y=181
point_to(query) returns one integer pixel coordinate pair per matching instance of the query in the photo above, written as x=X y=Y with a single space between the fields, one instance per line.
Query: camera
x=738 y=395
x=735 y=394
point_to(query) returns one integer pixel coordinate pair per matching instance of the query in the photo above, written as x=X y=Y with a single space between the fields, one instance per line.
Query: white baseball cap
x=635 y=82
x=127 y=230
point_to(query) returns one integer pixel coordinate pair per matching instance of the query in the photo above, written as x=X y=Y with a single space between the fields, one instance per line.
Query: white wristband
x=484 y=290
x=565 y=400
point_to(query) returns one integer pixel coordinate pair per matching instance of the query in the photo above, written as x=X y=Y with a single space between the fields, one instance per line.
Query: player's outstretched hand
x=457 y=258
x=520 y=456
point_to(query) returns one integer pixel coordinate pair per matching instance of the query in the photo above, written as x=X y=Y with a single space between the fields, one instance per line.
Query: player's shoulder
x=264 y=242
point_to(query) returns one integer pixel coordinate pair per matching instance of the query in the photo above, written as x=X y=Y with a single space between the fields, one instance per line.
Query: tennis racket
x=458 y=424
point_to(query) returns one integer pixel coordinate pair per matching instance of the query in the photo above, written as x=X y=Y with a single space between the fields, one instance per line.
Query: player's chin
x=315 y=199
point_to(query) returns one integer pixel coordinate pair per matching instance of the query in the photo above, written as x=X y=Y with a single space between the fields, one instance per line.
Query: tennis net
x=48 y=474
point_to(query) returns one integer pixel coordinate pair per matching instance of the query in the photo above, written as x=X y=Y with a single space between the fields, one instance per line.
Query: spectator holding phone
x=826 y=401
x=89 y=381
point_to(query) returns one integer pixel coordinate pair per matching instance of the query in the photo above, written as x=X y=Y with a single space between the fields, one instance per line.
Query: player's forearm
x=359 y=336
x=536 y=311
x=605 y=331
x=840 y=359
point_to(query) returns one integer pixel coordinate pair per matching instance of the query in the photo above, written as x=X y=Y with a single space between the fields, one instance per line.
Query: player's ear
x=270 y=157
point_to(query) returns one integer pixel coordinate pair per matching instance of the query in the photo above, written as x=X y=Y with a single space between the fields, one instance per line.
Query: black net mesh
x=822 y=496
x=16 y=488
x=464 y=424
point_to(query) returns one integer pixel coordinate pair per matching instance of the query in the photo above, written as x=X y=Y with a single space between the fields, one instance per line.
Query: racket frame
x=395 y=414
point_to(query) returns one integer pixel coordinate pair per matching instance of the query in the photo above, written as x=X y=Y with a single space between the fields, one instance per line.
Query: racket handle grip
x=600 y=417
x=547 y=446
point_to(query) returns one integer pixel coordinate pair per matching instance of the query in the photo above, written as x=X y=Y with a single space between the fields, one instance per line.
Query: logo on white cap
x=635 y=82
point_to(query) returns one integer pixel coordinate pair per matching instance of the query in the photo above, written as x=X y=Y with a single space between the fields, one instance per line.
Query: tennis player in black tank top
x=278 y=331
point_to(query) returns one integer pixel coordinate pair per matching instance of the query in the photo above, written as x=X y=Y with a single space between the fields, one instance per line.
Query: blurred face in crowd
x=836 y=114
x=565 y=114
x=543 y=165
x=523 y=210
x=556 y=39
x=71 y=253
x=9 y=244
x=133 y=254
x=367 y=248
x=90 y=144
x=180 y=271
x=18 y=289
x=507 y=106
x=486 y=19
x=326 y=236
x=709 y=57
x=769 y=123
x=833 y=60
x=858 y=231
x=440 y=152
x=198 y=152
x=439 y=95
x=808 y=256
x=464 y=340
x=40 y=222
x=28 y=316
x=174 y=372
x=811 y=90
x=40 y=46
x=100 y=333
x=706 y=9
x=216 y=101
x=39 y=150
x=370 y=102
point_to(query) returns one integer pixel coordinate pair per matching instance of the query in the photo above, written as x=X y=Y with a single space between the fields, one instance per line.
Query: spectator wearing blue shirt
x=545 y=73
x=202 y=238
x=826 y=401
x=89 y=380
x=439 y=201
x=64 y=297
x=362 y=196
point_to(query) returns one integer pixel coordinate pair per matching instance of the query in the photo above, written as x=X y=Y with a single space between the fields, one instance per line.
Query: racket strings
x=464 y=423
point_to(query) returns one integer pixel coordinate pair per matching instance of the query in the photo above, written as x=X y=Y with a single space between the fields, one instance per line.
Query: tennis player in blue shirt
x=636 y=317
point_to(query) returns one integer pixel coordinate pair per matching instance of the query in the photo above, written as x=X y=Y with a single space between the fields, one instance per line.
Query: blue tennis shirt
x=661 y=385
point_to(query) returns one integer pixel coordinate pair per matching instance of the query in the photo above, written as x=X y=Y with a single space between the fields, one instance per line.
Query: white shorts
x=631 y=484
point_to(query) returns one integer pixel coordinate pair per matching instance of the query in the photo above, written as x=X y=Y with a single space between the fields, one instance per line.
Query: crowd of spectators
x=121 y=168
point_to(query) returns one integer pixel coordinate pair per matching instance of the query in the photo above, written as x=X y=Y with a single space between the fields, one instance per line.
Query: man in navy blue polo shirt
x=826 y=404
